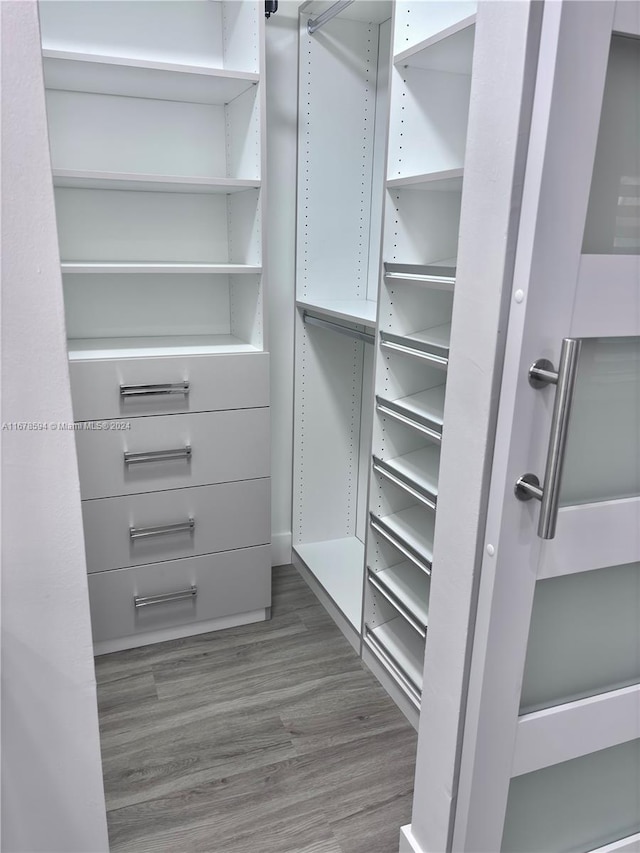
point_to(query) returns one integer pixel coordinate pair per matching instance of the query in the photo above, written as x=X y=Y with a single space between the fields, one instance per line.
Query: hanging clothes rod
x=366 y=337
x=331 y=12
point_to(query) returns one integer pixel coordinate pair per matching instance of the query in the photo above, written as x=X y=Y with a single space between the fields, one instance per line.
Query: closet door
x=552 y=736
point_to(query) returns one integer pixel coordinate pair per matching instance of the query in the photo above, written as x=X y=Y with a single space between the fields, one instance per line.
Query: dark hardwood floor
x=268 y=738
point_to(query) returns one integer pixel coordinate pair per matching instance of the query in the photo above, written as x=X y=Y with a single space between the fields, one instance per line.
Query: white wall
x=52 y=794
x=282 y=111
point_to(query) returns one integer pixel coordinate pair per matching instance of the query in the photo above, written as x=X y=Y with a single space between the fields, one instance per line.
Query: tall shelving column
x=156 y=114
x=342 y=110
x=430 y=86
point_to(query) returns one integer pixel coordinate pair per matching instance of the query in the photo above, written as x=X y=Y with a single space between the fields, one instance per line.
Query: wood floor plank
x=270 y=738
x=356 y=833
x=328 y=727
x=126 y=691
x=158 y=763
x=252 y=669
x=118 y=664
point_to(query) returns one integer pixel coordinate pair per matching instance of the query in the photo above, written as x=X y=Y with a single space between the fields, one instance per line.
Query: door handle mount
x=527 y=486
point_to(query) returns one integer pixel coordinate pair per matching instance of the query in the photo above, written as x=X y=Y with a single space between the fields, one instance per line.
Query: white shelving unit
x=430 y=88
x=343 y=110
x=156 y=115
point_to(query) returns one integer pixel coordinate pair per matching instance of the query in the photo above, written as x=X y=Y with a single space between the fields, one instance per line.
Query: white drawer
x=216 y=382
x=225 y=584
x=200 y=449
x=227 y=516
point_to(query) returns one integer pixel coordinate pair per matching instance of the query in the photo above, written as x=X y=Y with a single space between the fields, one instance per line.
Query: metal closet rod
x=331 y=12
x=367 y=337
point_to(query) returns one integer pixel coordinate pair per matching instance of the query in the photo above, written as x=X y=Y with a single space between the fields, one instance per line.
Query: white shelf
x=414 y=528
x=447 y=180
x=432 y=344
x=151 y=347
x=123 y=267
x=438 y=336
x=404 y=647
x=361 y=311
x=141 y=78
x=450 y=49
x=426 y=408
x=418 y=470
x=338 y=564
x=409 y=586
x=433 y=276
x=78 y=179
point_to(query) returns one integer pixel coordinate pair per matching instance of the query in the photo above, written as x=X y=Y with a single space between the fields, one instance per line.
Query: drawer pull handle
x=158 y=455
x=163 y=529
x=154 y=390
x=165 y=597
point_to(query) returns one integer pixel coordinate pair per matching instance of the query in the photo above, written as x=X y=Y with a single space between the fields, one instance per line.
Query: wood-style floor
x=269 y=738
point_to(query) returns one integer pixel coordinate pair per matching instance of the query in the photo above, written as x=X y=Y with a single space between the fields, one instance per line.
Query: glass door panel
x=602 y=457
x=584 y=637
x=575 y=806
x=613 y=218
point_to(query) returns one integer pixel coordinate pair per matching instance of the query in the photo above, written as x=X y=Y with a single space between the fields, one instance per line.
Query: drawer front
x=199 y=450
x=238 y=381
x=225 y=584
x=225 y=517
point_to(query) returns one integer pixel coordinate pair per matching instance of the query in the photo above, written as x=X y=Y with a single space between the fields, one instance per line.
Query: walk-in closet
x=321 y=405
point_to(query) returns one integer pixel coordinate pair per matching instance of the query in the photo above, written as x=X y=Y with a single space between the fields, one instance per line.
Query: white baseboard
x=105 y=647
x=281 y=549
x=408 y=844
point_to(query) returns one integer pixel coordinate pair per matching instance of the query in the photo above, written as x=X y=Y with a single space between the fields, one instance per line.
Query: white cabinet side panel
x=245 y=227
x=243 y=135
x=364 y=449
x=337 y=100
x=242 y=25
x=379 y=157
x=327 y=431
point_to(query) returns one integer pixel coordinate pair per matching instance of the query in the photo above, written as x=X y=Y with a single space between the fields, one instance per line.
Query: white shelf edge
x=81 y=179
x=94 y=349
x=116 y=268
x=412 y=405
x=435 y=38
x=430 y=180
x=425 y=480
x=407 y=584
x=404 y=525
x=403 y=646
x=344 y=309
x=150 y=64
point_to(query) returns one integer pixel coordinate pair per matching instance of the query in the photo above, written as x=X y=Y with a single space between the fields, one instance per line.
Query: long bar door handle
x=542 y=373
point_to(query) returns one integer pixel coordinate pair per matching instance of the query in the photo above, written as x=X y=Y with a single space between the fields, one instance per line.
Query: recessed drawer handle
x=165 y=597
x=154 y=390
x=158 y=455
x=163 y=529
